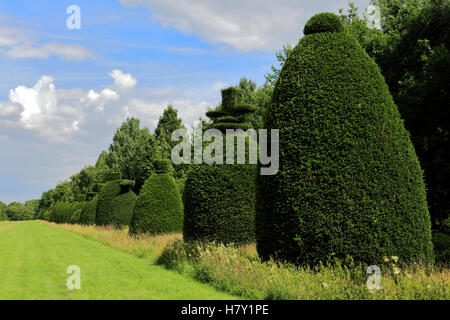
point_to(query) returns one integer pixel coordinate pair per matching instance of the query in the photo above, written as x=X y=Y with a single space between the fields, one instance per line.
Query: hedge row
x=64 y=212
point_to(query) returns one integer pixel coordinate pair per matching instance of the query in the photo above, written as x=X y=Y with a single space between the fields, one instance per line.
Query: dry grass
x=143 y=246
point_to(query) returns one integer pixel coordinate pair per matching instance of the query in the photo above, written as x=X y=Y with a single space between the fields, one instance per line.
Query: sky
x=64 y=91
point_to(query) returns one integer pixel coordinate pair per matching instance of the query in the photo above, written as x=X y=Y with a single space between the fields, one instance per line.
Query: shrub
x=3 y=216
x=349 y=182
x=441 y=242
x=64 y=212
x=115 y=203
x=88 y=213
x=219 y=203
x=219 y=200
x=159 y=207
x=323 y=22
x=75 y=219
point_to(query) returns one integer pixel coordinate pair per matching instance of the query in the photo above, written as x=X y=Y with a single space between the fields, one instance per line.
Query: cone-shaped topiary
x=159 y=207
x=115 y=203
x=349 y=182
x=219 y=200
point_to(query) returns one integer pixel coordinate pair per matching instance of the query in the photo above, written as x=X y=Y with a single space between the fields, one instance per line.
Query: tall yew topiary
x=115 y=203
x=159 y=207
x=219 y=200
x=349 y=182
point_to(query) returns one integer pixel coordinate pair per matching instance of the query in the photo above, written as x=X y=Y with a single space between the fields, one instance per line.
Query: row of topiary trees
x=349 y=182
x=158 y=208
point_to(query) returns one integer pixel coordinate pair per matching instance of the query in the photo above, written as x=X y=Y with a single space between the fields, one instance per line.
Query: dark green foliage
x=219 y=200
x=131 y=152
x=323 y=22
x=89 y=212
x=114 y=176
x=441 y=243
x=64 y=212
x=3 y=215
x=224 y=126
x=231 y=113
x=162 y=166
x=115 y=203
x=413 y=51
x=219 y=203
x=231 y=119
x=17 y=211
x=349 y=182
x=159 y=207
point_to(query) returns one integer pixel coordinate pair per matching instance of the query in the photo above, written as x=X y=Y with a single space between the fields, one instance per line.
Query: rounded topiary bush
x=159 y=207
x=349 y=182
x=115 y=203
x=323 y=22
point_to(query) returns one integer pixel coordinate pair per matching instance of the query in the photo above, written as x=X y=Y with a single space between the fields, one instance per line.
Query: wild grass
x=239 y=271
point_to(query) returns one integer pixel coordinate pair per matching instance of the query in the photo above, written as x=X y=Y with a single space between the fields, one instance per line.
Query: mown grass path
x=34 y=259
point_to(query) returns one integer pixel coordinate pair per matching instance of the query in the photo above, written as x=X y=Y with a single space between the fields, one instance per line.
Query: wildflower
x=396 y=270
x=394 y=258
x=325 y=285
x=386 y=259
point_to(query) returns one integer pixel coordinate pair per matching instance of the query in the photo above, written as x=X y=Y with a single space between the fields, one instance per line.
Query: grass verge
x=239 y=271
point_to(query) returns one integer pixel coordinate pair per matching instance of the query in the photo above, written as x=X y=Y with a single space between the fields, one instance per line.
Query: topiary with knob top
x=219 y=200
x=349 y=183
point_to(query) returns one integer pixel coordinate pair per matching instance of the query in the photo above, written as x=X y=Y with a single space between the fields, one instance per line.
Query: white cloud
x=149 y=111
x=123 y=80
x=100 y=100
x=244 y=25
x=8 y=108
x=16 y=45
x=60 y=115
x=41 y=111
x=70 y=52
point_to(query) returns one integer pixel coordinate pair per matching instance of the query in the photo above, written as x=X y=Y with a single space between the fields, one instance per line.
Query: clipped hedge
x=115 y=203
x=64 y=212
x=219 y=200
x=159 y=207
x=89 y=212
x=349 y=183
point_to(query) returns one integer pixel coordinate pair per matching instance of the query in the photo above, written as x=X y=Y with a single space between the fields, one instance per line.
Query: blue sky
x=63 y=92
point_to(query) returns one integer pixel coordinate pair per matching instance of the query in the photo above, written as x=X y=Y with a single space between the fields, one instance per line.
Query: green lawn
x=34 y=259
